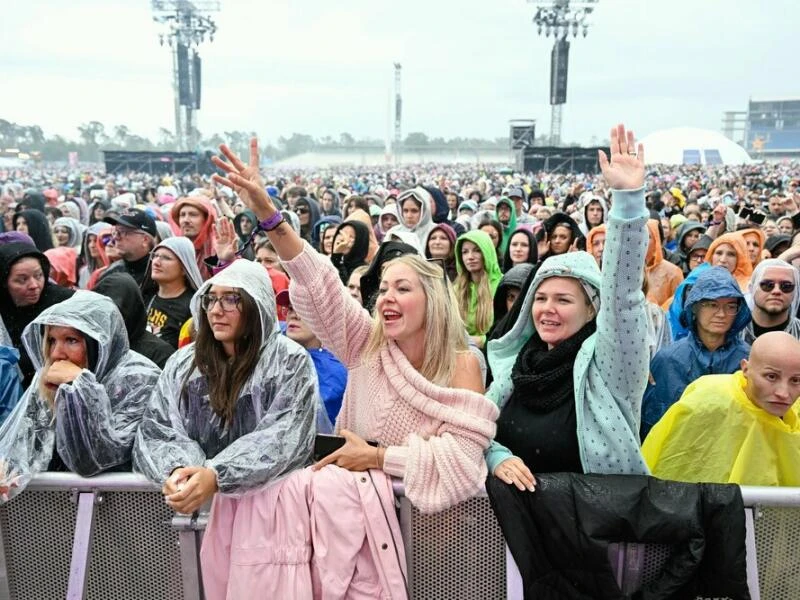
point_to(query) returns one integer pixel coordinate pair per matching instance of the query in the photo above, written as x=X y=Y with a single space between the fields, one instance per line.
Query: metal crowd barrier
x=112 y=537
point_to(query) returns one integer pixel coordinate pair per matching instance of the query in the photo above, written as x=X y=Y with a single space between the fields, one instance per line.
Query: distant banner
x=73 y=159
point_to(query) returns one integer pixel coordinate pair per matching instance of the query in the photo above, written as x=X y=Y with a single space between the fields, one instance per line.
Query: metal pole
x=176 y=93
x=82 y=546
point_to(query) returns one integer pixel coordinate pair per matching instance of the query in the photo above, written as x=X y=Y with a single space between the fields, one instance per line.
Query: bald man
x=742 y=428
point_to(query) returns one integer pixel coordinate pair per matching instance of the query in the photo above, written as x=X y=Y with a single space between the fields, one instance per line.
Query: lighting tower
x=560 y=18
x=186 y=25
x=398 y=113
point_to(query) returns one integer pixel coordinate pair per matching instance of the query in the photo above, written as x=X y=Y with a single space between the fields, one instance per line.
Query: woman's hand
x=227 y=240
x=343 y=242
x=62 y=371
x=245 y=180
x=543 y=245
x=188 y=488
x=626 y=169
x=513 y=471
x=355 y=455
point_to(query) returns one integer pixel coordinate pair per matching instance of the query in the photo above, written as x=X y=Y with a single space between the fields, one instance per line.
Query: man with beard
x=773 y=299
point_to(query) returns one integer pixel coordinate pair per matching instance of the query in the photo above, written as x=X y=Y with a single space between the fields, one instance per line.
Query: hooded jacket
x=508 y=229
x=275 y=421
x=96 y=416
x=423 y=227
x=357 y=257
x=744 y=268
x=584 y=226
x=663 y=277
x=450 y=262
x=793 y=323
x=104 y=204
x=204 y=242
x=610 y=370
x=316 y=234
x=63 y=265
x=244 y=247
x=38 y=228
x=16 y=318
x=760 y=238
x=362 y=217
x=557 y=219
x=90 y=264
x=122 y=289
x=75 y=231
x=515 y=277
x=307 y=231
x=370 y=281
x=676 y=366
x=493 y=275
x=10 y=384
x=680 y=256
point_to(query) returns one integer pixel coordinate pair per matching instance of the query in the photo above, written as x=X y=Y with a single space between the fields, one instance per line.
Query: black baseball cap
x=135 y=219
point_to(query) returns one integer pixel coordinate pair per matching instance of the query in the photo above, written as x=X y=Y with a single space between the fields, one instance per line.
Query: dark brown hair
x=227 y=375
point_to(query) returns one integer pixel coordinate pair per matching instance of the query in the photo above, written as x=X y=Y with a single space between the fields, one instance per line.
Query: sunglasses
x=301 y=210
x=767 y=285
x=106 y=239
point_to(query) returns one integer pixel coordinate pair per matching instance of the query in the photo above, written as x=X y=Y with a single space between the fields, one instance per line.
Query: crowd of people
x=458 y=328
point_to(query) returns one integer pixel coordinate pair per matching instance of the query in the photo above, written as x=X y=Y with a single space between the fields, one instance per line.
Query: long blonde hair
x=484 y=310
x=445 y=336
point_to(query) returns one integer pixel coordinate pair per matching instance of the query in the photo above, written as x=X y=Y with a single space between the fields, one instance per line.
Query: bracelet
x=272 y=222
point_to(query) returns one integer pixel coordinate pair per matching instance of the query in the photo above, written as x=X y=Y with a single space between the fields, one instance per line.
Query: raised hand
x=245 y=180
x=625 y=170
x=227 y=240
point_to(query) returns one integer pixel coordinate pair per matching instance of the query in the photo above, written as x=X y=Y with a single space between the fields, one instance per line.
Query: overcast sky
x=324 y=67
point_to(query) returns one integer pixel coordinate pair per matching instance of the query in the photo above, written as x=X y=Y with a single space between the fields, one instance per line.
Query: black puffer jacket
x=560 y=535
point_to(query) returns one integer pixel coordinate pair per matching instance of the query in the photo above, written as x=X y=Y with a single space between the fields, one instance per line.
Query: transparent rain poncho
x=276 y=416
x=96 y=416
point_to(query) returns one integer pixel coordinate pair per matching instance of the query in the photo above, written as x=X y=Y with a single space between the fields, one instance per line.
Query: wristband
x=272 y=222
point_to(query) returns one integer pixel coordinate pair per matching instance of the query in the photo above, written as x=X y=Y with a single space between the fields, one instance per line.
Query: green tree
x=416 y=138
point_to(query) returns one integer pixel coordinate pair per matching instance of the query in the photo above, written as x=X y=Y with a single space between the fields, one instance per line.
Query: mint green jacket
x=610 y=370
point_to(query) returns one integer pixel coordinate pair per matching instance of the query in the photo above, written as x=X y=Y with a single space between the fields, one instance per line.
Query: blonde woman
x=83 y=408
x=478 y=277
x=413 y=387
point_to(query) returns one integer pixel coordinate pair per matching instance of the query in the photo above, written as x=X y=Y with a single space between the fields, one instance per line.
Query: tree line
x=93 y=137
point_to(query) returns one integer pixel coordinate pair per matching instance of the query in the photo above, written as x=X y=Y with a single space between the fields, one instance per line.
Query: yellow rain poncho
x=714 y=433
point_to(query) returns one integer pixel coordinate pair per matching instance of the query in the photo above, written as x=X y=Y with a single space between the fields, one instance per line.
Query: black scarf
x=543 y=378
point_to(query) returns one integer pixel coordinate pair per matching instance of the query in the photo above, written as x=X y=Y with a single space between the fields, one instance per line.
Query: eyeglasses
x=715 y=307
x=161 y=257
x=228 y=302
x=121 y=233
x=767 y=285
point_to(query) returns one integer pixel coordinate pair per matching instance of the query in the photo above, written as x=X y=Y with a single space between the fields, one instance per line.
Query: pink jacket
x=434 y=436
x=330 y=535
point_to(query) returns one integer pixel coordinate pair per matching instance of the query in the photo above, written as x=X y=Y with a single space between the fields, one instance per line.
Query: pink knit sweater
x=434 y=436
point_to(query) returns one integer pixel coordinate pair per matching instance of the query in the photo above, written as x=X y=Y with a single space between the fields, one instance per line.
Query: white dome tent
x=690 y=146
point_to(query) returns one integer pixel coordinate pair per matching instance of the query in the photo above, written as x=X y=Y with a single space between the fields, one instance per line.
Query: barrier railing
x=112 y=537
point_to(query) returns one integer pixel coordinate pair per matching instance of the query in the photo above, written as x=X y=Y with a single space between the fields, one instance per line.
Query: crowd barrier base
x=112 y=537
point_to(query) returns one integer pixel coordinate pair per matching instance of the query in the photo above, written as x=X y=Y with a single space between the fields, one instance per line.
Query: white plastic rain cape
x=96 y=416
x=276 y=417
